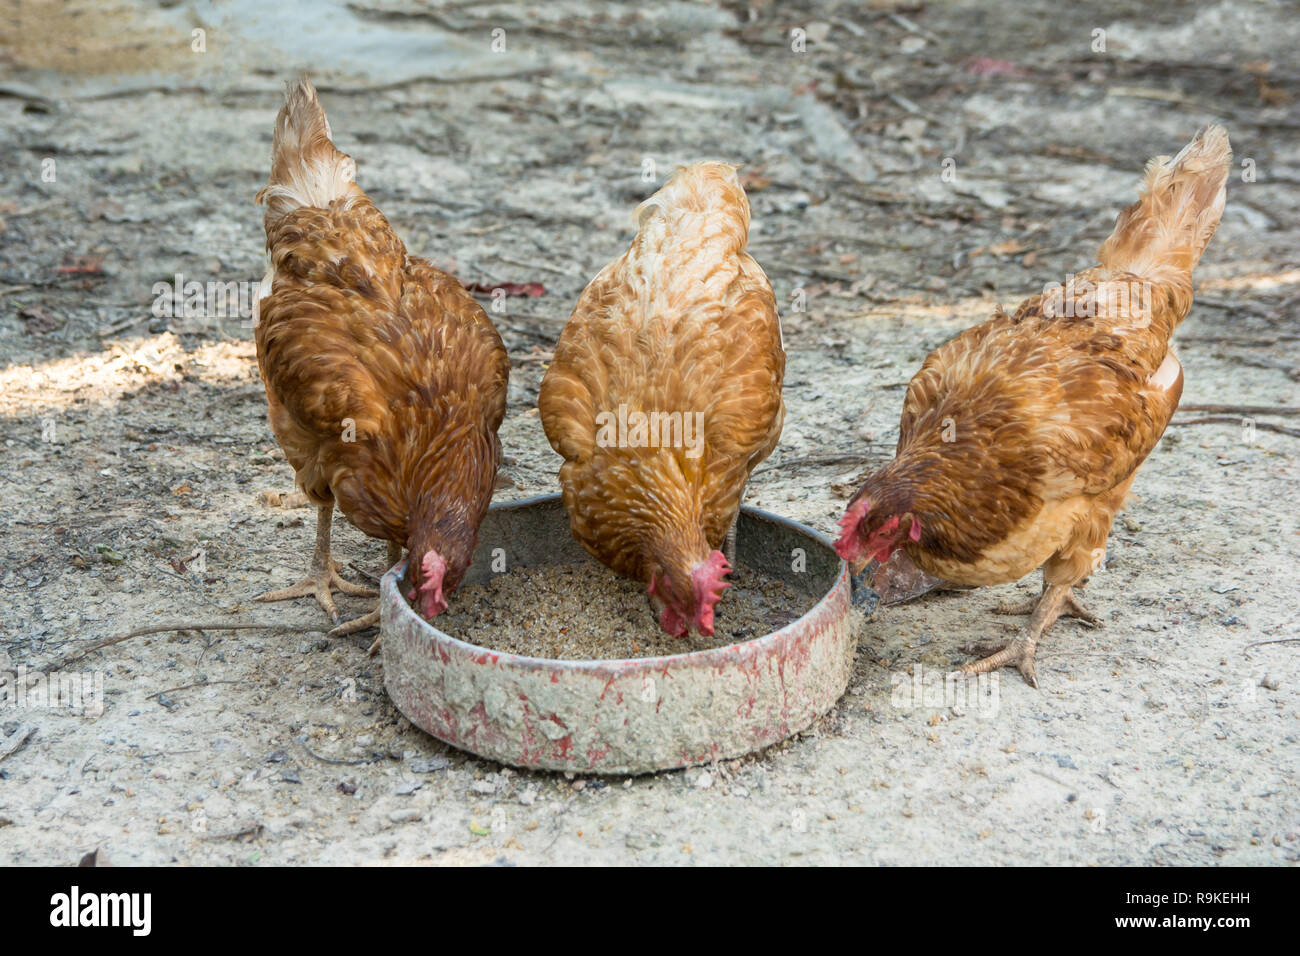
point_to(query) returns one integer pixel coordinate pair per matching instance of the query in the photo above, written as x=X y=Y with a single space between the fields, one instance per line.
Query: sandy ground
x=139 y=472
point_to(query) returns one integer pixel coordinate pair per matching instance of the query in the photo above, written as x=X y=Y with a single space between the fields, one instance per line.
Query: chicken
x=1020 y=437
x=665 y=392
x=385 y=379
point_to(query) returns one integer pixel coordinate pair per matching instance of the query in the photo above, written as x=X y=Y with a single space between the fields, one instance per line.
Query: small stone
x=701 y=780
x=409 y=815
x=641 y=839
x=527 y=797
x=818 y=31
x=430 y=765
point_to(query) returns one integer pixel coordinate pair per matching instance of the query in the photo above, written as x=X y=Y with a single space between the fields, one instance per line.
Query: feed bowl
x=624 y=716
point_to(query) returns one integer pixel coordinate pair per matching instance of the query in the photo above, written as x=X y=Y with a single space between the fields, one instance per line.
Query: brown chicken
x=1020 y=437
x=665 y=392
x=386 y=381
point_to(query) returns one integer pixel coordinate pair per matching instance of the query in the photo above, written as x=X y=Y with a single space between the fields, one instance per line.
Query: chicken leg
x=372 y=619
x=322 y=574
x=729 y=542
x=1057 y=600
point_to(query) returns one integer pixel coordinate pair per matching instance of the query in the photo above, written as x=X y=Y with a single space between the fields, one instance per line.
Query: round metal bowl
x=624 y=716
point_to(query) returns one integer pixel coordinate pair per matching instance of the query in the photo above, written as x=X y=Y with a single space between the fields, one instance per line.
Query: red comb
x=848 y=547
x=709 y=583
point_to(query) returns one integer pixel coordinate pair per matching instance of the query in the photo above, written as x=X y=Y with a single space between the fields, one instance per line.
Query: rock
x=641 y=839
x=429 y=765
x=409 y=815
x=700 y=779
x=818 y=31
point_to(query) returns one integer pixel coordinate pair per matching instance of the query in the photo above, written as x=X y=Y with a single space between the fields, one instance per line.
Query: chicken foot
x=322 y=573
x=1057 y=600
x=365 y=621
x=1073 y=607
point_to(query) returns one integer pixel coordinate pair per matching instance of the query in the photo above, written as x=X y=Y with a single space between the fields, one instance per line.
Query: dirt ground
x=139 y=474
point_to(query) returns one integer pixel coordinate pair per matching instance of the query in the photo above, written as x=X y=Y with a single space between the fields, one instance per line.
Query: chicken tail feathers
x=1162 y=235
x=306 y=168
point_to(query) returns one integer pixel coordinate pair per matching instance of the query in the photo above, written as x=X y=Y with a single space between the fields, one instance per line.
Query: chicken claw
x=356 y=624
x=1057 y=600
x=1019 y=652
x=1073 y=608
x=370 y=620
x=323 y=573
